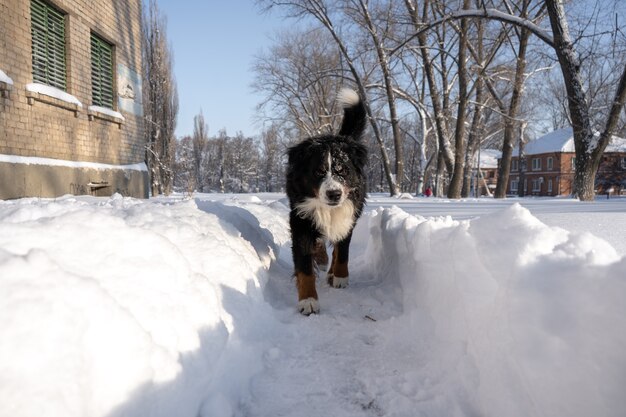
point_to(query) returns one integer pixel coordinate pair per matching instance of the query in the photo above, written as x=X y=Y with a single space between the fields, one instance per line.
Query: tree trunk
x=521 y=163
x=475 y=135
x=383 y=61
x=509 y=121
x=440 y=126
x=454 y=191
x=586 y=166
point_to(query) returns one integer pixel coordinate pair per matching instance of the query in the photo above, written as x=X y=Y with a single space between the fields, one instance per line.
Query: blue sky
x=214 y=45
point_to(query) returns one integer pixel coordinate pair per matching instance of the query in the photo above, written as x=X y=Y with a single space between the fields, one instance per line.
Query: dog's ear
x=358 y=155
x=296 y=153
x=299 y=156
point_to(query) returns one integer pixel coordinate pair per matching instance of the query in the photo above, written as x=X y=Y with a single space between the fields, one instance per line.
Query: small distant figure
x=428 y=192
x=608 y=192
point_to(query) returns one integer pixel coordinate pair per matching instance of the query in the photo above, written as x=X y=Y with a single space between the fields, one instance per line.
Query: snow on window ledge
x=32 y=160
x=5 y=78
x=52 y=95
x=105 y=114
x=6 y=84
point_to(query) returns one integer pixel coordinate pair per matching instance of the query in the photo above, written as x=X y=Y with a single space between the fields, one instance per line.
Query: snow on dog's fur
x=326 y=190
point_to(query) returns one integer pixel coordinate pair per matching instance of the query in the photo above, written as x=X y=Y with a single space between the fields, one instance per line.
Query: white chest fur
x=334 y=223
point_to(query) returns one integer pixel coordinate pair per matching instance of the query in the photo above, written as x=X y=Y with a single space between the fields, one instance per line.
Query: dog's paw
x=308 y=306
x=337 y=282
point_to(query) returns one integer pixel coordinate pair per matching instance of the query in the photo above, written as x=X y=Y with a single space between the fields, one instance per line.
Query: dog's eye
x=320 y=172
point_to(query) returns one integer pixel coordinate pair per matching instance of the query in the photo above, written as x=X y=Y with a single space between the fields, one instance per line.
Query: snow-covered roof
x=616 y=144
x=488 y=158
x=562 y=140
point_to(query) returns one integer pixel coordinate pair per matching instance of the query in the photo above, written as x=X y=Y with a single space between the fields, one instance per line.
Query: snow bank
x=124 y=307
x=529 y=319
x=172 y=307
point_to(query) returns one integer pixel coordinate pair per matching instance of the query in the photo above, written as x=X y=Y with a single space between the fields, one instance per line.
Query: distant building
x=548 y=166
x=485 y=173
x=71 y=117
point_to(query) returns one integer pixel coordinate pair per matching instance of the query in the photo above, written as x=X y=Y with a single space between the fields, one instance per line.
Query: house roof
x=562 y=140
x=488 y=158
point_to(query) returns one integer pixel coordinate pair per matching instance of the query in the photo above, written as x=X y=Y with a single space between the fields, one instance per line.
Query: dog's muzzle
x=333 y=197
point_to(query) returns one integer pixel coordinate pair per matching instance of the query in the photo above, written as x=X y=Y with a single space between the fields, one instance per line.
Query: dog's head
x=326 y=169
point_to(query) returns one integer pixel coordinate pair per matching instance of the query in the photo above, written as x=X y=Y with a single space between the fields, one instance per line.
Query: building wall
x=561 y=175
x=37 y=125
x=611 y=174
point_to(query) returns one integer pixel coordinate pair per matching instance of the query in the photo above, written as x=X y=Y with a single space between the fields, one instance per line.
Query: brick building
x=70 y=98
x=547 y=167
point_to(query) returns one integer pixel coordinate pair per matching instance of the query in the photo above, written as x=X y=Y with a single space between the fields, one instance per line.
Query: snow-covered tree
x=160 y=100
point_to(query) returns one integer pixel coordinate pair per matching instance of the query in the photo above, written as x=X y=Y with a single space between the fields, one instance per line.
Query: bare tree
x=184 y=176
x=199 y=141
x=456 y=183
x=272 y=161
x=160 y=100
x=438 y=100
x=383 y=61
x=320 y=11
x=589 y=149
x=588 y=146
x=300 y=76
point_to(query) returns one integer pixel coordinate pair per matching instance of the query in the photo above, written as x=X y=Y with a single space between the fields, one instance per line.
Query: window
x=623 y=162
x=550 y=186
x=550 y=163
x=101 y=72
x=536 y=164
x=574 y=164
x=514 y=165
x=48 y=33
x=536 y=185
x=514 y=186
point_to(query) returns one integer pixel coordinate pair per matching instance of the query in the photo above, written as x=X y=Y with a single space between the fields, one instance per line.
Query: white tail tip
x=348 y=97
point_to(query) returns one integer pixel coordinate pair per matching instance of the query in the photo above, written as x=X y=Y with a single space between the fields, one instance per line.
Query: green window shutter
x=48 y=33
x=101 y=72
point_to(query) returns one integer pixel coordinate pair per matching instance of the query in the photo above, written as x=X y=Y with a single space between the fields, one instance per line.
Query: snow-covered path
x=429 y=327
x=122 y=307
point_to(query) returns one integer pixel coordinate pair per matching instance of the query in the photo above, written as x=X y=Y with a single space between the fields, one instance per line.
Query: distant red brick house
x=547 y=167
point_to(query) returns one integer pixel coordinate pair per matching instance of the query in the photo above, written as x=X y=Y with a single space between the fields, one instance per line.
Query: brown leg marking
x=306 y=286
x=319 y=253
x=340 y=270
x=331 y=270
x=337 y=270
x=307 y=295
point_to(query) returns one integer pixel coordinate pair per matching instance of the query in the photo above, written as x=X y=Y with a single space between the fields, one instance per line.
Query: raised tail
x=354 y=116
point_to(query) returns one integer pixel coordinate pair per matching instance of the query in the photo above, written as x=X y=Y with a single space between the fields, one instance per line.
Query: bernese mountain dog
x=326 y=190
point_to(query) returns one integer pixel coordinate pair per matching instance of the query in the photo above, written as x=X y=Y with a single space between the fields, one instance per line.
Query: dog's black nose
x=333 y=196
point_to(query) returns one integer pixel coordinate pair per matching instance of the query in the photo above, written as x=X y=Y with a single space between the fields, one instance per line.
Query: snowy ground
x=174 y=307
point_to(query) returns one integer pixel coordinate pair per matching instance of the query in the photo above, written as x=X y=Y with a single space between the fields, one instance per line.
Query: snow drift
x=112 y=307
x=530 y=317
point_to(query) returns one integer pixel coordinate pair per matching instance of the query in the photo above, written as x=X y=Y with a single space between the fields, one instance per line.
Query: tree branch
x=491 y=14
